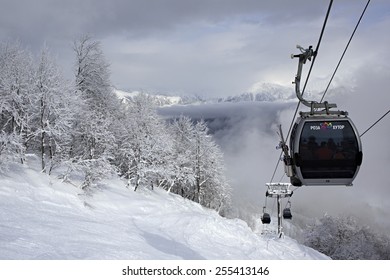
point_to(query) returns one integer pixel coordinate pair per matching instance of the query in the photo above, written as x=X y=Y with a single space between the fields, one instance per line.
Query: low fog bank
x=246 y=133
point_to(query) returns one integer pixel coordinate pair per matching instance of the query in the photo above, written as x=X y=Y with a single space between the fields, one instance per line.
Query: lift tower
x=279 y=191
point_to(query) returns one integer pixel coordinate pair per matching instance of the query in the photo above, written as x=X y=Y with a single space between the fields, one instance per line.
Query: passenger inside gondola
x=327 y=153
x=324 y=152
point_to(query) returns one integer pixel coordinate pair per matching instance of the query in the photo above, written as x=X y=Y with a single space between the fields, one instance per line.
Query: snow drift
x=44 y=218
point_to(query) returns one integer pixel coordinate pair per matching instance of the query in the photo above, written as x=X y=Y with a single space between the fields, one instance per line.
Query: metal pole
x=307 y=54
x=279 y=218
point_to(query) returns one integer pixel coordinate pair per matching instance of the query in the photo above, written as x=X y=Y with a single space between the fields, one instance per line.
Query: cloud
x=203 y=47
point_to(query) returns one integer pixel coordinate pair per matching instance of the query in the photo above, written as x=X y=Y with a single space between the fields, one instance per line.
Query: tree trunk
x=43 y=136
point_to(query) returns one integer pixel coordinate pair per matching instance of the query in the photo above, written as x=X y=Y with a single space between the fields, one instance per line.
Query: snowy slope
x=43 y=218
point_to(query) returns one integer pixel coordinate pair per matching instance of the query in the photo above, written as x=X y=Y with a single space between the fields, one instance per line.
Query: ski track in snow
x=43 y=218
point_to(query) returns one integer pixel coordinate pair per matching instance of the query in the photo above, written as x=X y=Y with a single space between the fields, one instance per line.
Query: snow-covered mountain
x=261 y=92
x=44 y=218
x=160 y=100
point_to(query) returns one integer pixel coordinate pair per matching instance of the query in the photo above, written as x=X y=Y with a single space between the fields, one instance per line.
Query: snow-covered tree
x=184 y=157
x=11 y=149
x=16 y=70
x=55 y=106
x=198 y=165
x=144 y=152
x=345 y=239
x=93 y=75
x=93 y=140
x=211 y=187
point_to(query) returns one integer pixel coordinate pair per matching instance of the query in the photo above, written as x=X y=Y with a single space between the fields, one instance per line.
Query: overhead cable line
x=307 y=79
x=311 y=66
x=345 y=50
x=368 y=129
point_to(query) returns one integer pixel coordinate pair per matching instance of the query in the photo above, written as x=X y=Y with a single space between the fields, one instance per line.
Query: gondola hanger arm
x=307 y=54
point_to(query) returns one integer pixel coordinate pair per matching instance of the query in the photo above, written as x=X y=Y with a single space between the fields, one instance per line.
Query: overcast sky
x=205 y=47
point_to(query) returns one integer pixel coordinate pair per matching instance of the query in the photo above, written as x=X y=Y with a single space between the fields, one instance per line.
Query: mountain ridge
x=266 y=92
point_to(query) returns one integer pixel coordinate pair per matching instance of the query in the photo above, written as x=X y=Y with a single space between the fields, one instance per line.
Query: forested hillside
x=80 y=126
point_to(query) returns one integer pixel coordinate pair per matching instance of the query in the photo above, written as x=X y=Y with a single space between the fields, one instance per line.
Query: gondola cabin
x=287 y=213
x=266 y=218
x=325 y=150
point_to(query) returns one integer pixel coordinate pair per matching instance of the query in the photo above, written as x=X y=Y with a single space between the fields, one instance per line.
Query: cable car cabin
x=325 y=150
x=287 y=213
x=266 y=218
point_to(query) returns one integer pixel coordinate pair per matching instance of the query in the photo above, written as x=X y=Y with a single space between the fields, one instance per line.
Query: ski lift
x=265 y=218
x=325 y=147
x=287 y=212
